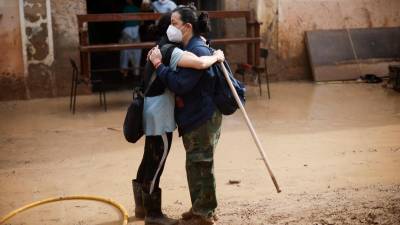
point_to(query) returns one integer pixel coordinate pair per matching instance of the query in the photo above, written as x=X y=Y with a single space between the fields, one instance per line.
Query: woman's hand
x=155 y=56
x=148 y=54
x=220 y=55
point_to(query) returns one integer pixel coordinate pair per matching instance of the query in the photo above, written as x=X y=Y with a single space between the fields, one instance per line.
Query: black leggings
x=153 y=161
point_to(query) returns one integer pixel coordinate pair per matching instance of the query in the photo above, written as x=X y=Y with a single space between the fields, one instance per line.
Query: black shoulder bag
x=133 y=123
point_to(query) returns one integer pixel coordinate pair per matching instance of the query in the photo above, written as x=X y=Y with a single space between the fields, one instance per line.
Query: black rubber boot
x=152 y=207
x=137 y=194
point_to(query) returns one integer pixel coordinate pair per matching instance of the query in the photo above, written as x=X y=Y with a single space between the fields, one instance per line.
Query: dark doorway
x=105 y=65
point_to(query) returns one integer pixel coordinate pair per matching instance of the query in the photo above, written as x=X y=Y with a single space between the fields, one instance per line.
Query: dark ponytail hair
x=200 y=24
x=160 y=30
x=163 y=24
x=203 y=23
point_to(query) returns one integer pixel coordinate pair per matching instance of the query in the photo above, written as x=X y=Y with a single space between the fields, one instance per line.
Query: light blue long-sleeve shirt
x=158 y=111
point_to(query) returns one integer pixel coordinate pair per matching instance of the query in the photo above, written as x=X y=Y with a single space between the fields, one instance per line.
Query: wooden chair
x=244 y=68
x=259 y=69
x=76 y=80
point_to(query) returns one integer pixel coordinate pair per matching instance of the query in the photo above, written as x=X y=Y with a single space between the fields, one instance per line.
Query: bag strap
x=152 y=79
x=168 y=51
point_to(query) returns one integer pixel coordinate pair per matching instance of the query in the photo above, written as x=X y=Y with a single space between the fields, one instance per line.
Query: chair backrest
x=75 y=72
x=263 y=53
x=73 y=64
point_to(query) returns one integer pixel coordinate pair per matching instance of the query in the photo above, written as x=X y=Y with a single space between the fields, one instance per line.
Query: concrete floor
x=334 y=148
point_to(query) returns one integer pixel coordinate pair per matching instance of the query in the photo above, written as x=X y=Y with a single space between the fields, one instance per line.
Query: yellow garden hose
x=49 y=200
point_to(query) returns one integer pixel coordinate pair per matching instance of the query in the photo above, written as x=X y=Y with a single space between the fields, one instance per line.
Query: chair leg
x=100 y=99
x=259 y=82
x=71 y=96
x=267 y=79
x=72 y=93
x=104 y=101
x=74 y=101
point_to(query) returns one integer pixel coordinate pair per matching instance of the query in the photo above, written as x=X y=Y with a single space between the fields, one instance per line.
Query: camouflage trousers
x=200 y=145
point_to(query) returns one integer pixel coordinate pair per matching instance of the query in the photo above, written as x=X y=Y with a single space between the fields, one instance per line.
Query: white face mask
x=174 y=34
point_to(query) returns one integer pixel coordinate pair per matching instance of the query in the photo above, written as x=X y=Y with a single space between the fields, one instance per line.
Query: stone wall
x=39 y=49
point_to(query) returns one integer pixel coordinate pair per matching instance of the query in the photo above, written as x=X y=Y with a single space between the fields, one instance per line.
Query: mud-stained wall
x=284 y=23
x=34 y=42
x=298 y=16
x=65 y=31
x=12 y=80
x=50 y=52
x=50 y=37
x=265 y=12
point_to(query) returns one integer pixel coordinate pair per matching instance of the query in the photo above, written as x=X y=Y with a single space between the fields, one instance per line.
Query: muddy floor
x=334 y=148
